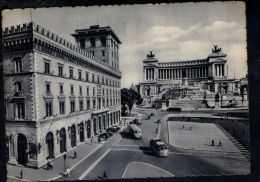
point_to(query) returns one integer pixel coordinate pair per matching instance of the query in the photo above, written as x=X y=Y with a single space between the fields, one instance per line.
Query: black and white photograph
x=123 y=92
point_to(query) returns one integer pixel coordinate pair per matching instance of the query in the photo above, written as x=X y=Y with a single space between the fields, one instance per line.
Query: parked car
x=117 y=128
x=112 y=129
x=110 y=133
x=104 y=135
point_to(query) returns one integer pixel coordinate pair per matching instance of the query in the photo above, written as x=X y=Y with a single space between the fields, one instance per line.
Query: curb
x=15 y=178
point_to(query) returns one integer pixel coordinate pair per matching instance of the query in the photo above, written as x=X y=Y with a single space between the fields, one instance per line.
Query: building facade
x=58 y=95
x=205 y=74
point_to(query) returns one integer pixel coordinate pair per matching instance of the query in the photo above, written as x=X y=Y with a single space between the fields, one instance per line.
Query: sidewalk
x=42 y=174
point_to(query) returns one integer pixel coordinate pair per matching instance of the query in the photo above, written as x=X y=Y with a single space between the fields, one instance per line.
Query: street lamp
x=64 y=157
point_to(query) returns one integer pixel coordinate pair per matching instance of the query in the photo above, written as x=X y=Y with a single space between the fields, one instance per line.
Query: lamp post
x=64 y=157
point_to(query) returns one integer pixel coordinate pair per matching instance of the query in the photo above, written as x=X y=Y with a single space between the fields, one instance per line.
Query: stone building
x=58 y=95
x=201 y=74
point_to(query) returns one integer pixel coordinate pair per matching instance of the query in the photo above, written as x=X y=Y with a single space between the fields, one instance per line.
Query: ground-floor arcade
x=32 y=145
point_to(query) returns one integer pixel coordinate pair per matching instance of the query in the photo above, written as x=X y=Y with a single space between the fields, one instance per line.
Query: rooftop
x=96 y=30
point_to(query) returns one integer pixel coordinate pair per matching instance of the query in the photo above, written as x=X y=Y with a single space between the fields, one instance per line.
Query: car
x=117 y=128
x=110 y=133
x=112 y=129
x=158 y=147
x=104 y=135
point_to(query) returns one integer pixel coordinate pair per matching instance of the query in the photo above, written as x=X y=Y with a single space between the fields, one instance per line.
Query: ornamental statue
x=216 y=49
x=151 y=55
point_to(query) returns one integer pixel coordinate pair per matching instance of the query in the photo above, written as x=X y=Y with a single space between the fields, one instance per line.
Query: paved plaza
x=199 y=136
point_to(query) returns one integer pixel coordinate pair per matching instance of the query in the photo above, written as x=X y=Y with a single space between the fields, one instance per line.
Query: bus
x=159 y=147
x=135 y=131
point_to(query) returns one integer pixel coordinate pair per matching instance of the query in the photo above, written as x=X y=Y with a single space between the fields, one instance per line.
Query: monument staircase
x=187 y=104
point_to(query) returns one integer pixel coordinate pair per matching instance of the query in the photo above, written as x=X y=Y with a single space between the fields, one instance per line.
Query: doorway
x=50 y=145
x=22 y=149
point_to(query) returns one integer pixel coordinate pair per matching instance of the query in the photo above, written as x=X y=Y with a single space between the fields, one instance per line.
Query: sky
x=175 y=32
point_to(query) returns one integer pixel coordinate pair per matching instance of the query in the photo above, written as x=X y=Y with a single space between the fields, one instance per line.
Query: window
x=62 y=107
x=48 y=107
x=71 y=89
x=18 y=86
x=98 y=79
x=87 y=76
x=47 y=67
x=93 y=77
x=82 y=43
x=103 y=53
x=72 y=106
x=92 y=53
x=80 y=75
x=92 y=42
x=71 y=72
x=61 y=89
x=94 y=91
x=88 y=104
x=103 y=41
x=99 y=103
x=87 y=91
x=81 y=105
x=60 y=70
x=80 y=90
x=18 y=65
x=48 y=87
x=94 y=103
x=20 y=111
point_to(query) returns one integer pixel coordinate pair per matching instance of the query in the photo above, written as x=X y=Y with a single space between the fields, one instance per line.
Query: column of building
x=199 y=72
x=219 y=70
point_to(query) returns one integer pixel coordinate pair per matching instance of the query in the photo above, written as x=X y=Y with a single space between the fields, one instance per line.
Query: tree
x=129 y=97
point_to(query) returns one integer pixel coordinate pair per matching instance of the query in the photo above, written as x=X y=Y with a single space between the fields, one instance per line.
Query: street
x=180 y=162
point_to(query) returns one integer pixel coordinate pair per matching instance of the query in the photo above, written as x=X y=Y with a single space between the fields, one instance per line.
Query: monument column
x=144 y=72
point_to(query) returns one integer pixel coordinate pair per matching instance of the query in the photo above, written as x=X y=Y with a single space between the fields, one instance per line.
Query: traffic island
x=144 y=170
x=199 y=136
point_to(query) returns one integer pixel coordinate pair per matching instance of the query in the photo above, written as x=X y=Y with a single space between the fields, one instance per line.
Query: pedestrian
x=21 y=173
x=183 y=126
x=48 y=165
x=51 y=165
x=75 y=154
x=190 y=127
x=212 y=142
x=91 y=139
x=99 y=139
x=104 y=175
x=219 y=143
x=67 y=173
